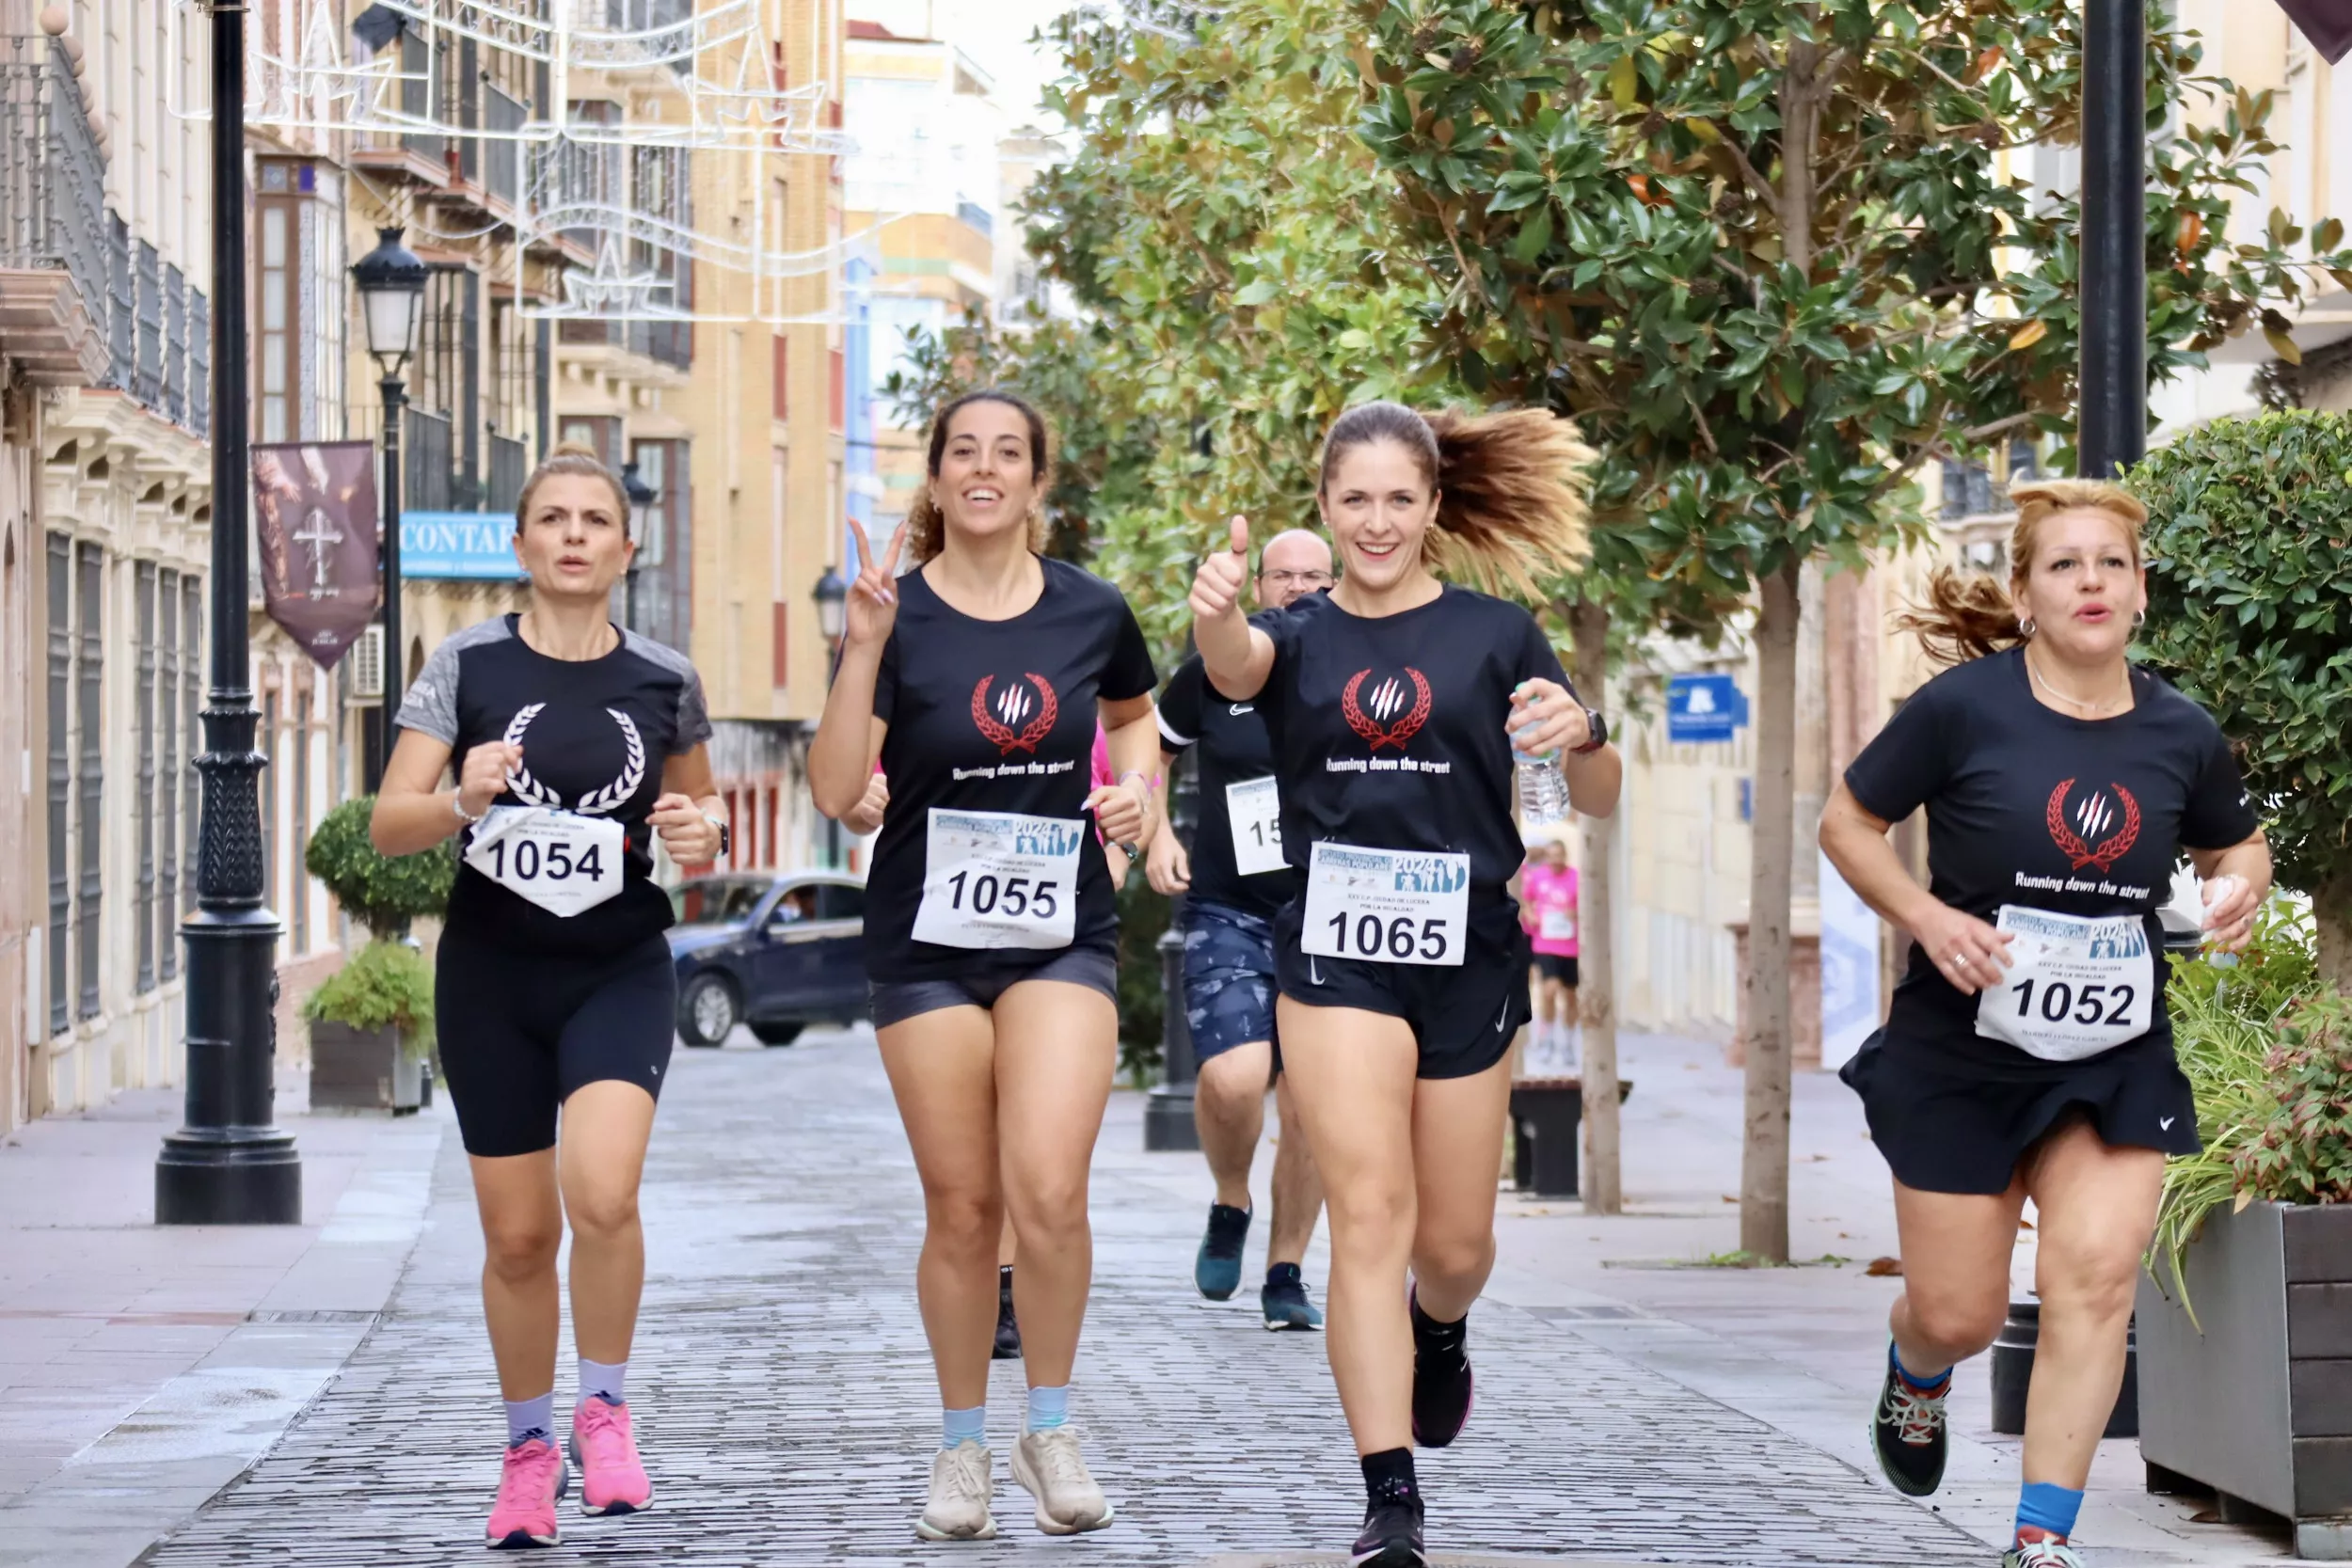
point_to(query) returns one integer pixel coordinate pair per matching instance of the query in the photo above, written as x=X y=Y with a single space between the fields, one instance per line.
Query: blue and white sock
x=531 y=1418
x=599 y=1380
x=1049 y=1408
x=961 y=1426
x=2043 y=1506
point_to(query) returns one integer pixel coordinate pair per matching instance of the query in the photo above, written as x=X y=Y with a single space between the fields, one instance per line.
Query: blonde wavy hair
x=1969 y=615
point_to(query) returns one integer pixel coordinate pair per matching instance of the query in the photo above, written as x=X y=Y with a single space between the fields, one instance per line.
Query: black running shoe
x=1008 y=1329
x=1216 y=1268
x=1441 y=1380
x=1909 y=1433
x=1391 y=1537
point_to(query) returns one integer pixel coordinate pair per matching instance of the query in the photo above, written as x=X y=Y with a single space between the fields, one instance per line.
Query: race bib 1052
x=999 y=879
x=1386 y=906
x=561 y=861
x=2075 y=987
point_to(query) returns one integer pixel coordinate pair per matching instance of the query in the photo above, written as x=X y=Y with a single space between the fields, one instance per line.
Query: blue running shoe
x=1284 y=1300
x=1217 y=1269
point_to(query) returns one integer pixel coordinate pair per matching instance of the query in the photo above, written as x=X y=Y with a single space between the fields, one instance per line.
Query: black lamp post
x=2114 y=374
x=230 y=1165
x=391 y=280
x=832 y=620
x=641 y=499
x=1168 y=1117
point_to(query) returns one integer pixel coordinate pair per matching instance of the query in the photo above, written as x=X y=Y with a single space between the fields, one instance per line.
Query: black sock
x=1389 y=1476
x=1282 y=1274
x=1437 y=1340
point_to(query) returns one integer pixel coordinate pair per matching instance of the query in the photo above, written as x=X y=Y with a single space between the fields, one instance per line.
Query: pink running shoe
x=532 y=1483
x=612 y=1478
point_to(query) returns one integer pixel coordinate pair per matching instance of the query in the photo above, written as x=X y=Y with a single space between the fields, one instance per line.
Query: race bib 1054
x=2075 y=987
x=999 y=879
x=561 y=861
x=1386 y=906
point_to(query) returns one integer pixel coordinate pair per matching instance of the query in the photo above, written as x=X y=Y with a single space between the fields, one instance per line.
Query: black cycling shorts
x=896 y=1001
x=520 y=1031
x=1463 y=1016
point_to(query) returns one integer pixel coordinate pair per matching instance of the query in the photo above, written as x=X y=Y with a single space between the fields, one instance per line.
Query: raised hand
x=1217 y=587
x=483 y=777
x=873 y=604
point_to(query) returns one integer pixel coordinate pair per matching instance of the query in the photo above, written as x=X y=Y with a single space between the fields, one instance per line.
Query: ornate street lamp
x=391 y=280
x=833 y=606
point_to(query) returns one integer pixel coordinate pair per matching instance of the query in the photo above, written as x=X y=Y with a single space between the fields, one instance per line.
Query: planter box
x=362 y=1070
x=2259 y=1405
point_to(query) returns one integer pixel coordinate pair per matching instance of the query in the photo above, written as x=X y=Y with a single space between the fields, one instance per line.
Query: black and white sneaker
x=1391 y=1537
x=1910 y=1434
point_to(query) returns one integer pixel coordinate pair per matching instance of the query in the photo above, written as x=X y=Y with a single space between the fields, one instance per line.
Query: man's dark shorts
x=1229 y=980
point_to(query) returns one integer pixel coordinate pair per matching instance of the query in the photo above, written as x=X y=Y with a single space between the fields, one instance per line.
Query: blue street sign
x=475 y=546
x=1702 y=708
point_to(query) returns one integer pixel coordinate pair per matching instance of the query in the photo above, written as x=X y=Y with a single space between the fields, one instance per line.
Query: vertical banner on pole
x=1849 y=969
x=315 y=522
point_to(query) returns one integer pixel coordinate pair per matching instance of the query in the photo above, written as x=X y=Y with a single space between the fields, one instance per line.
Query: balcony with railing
x=420 y=156
x=54 y=284
x=429 y=480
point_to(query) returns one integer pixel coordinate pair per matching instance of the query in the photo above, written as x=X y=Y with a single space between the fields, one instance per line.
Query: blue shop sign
x=1704 y=708
x=475 y=546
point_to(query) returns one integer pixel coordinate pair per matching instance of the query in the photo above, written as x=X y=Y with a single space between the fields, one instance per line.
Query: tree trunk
x=1597 y=986
x=2331 y=913
x=1764 y=1147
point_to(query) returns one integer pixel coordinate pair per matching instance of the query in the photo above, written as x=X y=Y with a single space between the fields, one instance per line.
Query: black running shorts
x=896 y=1001
x=520 y=1031
x=1463 y=1016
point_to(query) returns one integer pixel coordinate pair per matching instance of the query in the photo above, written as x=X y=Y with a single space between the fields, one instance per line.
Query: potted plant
x=2245 y=1315
x=372 y=1020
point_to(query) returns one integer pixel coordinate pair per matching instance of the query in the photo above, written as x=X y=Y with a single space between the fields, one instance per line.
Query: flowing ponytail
x=1972 y=616
x=925 y=526
x=1511 y=507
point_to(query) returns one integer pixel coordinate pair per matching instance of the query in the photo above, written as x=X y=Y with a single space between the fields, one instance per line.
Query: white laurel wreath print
x=596 y=802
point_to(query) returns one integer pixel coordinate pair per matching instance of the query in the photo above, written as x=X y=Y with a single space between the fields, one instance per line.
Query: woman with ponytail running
x=1394 y=702
x=977 y=680
x=573 y=744
x=2028 y=1054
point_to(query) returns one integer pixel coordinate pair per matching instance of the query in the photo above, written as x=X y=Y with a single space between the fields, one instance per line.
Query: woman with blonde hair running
x=1394 y=704
x=2028 y=1054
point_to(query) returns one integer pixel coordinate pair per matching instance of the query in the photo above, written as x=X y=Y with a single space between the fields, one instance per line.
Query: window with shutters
x=278 y=315
x=166 y=913
x=89 y=727
x=143 y=700
x=190 y=726
x=60 y=779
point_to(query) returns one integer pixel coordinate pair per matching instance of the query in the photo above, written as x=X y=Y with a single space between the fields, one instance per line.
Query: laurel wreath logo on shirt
x=2100 y=849
x=596 y=802
x=1386 y=699
x=999 y=732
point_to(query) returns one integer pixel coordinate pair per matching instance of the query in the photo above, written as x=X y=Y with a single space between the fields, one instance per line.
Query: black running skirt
x=1951 y=1124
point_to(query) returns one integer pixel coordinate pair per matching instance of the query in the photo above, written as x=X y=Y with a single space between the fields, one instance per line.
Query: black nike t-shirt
x=1389 y=732
x=1232 y=752
x=2034 y=808
x=595 y=734
x=994 y=716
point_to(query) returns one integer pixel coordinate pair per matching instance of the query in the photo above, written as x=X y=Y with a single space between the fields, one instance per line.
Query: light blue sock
x=957 y=1426
x=1049 y=1408
x=2045 y=1506
x=531 y=1418
x=597 y=1378
x=1925 y=1385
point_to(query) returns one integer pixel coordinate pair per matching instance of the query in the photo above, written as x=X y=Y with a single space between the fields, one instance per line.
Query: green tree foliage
x=379 y=892
x=2250 y=577
x=1766 y=253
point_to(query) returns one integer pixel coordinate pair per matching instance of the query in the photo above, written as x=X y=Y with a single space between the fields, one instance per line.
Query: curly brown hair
x=1511 y=487
x=927 y=532
x=1971 y=616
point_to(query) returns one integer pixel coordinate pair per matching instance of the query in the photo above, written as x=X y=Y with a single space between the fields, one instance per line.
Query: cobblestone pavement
x=786 y=1405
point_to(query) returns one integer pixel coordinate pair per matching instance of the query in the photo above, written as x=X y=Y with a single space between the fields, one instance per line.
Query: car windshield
x=717 y=900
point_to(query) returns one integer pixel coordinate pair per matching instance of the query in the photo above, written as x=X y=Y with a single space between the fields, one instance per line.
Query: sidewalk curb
x=203 y=1430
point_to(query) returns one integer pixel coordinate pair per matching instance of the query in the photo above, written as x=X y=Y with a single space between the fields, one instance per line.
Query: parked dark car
x=778 y=951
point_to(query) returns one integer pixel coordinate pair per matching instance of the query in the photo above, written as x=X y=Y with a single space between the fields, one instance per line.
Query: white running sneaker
x=1047 y=1466
x=958 y=1509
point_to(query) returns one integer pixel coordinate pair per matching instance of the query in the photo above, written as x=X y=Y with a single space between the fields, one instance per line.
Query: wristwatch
x=725 y=839
x=1598 y=724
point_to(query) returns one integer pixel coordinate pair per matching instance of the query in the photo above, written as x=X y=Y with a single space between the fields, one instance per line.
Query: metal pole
x=230 y=1165
x=395 y=647
x=2114 y=376
x=1168 y=1115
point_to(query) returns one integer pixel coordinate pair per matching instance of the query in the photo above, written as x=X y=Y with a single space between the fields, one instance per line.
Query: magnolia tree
x=1767 y=254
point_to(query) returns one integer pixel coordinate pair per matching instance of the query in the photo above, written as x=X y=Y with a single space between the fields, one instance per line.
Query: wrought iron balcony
x=54 y=295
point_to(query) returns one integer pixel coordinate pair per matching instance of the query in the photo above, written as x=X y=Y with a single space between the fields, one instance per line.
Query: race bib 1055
x=997 y=879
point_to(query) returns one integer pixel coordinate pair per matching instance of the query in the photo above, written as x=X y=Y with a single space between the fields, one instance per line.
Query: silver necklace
x=2087 y=705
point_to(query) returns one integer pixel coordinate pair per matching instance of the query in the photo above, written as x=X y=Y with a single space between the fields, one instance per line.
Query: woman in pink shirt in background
x=1547 y=910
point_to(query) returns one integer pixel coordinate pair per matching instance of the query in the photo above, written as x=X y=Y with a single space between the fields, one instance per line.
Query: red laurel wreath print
x=1049 y=709
x=2111 y=849
x=1370 y=729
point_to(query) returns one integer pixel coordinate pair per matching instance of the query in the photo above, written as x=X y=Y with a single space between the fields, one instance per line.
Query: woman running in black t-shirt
x=575 y=742
x=2028 y=1054
x=1393 y=703
x=976 y=681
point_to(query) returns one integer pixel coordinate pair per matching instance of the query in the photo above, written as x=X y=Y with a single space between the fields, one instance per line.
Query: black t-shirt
x=1233 y=750
x=997 y=717
x=2030 y=807
x=594 y=734
x=1389 y=732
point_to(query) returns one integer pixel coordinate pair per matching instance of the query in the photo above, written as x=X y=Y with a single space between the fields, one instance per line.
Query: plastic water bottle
x=1543 y=789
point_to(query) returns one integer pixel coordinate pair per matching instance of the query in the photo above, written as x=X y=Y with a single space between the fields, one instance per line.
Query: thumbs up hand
x=1217 y=587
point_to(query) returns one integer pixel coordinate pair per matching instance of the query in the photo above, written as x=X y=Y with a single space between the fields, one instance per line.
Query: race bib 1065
x=561 y=861
x=1255 y=813
x=1386 y=906
x=2075 y=987
x=997 y=879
